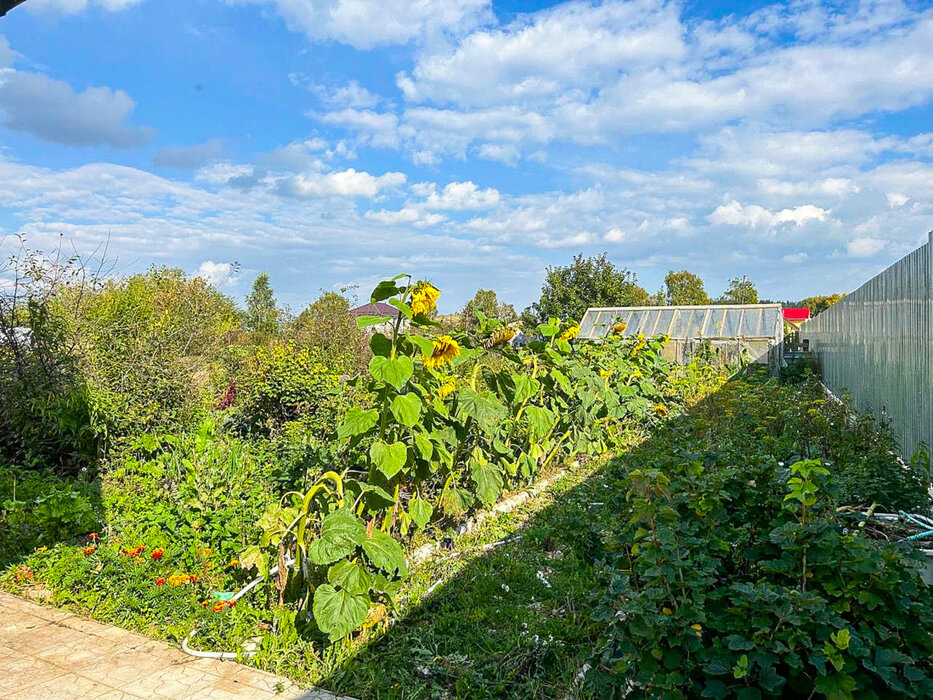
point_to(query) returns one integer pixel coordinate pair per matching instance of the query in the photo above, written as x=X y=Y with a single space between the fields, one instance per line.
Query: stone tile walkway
x=47 y=654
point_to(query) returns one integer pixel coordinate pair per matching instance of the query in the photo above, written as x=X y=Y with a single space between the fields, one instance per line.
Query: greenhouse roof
x=713 y=321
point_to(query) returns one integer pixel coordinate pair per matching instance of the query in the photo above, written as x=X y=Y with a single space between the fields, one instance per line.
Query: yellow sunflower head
x=445 y=349
x=660 y=409
x=640 y=343
x=446 y=389
x=501 y=336
x=424 y=298
x=570 y=333
x=619 y=328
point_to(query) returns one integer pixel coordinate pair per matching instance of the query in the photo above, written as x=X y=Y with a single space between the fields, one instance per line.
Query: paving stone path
x=47 y=654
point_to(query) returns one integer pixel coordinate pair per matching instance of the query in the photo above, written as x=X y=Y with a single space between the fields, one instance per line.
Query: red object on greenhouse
x=796 y=314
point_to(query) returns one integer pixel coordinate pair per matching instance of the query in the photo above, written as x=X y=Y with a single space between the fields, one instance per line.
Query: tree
x=262 y=313
x=820 y=303
x=741 y=290
x=684 y=289
x=486 y=302
x=569 y=291
x=327 y=324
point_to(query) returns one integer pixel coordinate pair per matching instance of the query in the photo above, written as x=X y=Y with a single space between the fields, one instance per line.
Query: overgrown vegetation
x=168 y=447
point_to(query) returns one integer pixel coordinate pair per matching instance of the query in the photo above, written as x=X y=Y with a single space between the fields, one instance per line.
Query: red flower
x=157 y=553
x=93 y=537
x=160 y=580
x=217 y=607
x=193 y=577
x=204 y=603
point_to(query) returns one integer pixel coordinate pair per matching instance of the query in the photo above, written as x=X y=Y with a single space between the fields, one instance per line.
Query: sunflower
x=424 y=298
x=619 y=328
x=445 y=349
x=570 y=333
x=446 y=389
x=500 y=337
x=639 y=345
x=660 y=409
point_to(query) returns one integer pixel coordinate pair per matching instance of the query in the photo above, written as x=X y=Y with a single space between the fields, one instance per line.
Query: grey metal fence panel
x=876 y=345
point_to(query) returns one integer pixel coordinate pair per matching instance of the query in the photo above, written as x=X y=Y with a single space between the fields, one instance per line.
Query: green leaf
x=407 y=409
x=424 y=445
x=366 y=321
x=391 y=371
x=456 y=502
x=357 y=422
x=420 y=511
x=380 y=345
x=385 y=553
x=404 y=308
x=540 y=420
x=525 y=387
x=426 y=345
x=548 y=329
x=254 y=556
x=341 y=532
x=836 y=686
x=389 y=458
x=339 y=612
x=384 y=290
x=488 y=480
x=483 y=407
x=350 y=576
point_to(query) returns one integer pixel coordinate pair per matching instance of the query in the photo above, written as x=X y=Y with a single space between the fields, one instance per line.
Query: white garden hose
x=230 y=655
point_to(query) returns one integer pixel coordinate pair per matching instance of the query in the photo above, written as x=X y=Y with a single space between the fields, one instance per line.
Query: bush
x=40 y=509
x=289 y=383
x=734 y=576
x=151 y=347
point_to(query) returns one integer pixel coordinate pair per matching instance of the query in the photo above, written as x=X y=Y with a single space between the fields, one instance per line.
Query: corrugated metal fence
x=877 y=344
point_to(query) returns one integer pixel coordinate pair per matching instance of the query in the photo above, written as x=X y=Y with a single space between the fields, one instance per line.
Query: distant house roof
x=378 y=309
x=796 y=314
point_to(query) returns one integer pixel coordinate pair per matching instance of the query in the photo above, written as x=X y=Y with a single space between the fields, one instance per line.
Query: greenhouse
x=753 y=331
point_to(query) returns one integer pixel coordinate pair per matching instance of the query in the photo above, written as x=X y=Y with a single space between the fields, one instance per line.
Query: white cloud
x=735 y=214
x=574 y=46
x=216 y=274
x=190 y=157
x=51 y=110
x=864 y=247
x=350 y=95
x=366 y=24
x=589 y=74
x=457 y=196
x=794 y=258
x=345 y=183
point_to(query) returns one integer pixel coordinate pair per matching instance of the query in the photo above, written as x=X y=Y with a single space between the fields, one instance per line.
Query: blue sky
x=334 y=142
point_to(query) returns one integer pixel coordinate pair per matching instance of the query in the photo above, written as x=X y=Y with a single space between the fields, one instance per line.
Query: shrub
x=288 y=383
x=40 y=509
x=151 y=347
x=734 y=576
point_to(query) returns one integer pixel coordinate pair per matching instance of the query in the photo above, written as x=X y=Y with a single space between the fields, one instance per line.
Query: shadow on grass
x=513 y=621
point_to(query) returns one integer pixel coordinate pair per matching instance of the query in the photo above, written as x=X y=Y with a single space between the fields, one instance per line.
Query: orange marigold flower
x=217 y=607
x=193 y=577
x=204 y=603
x=90 y=549
x=178 y=579
x=160 y=580
x=93 y=537
x=157 y=553
x=207 y=551
x=234 y=562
